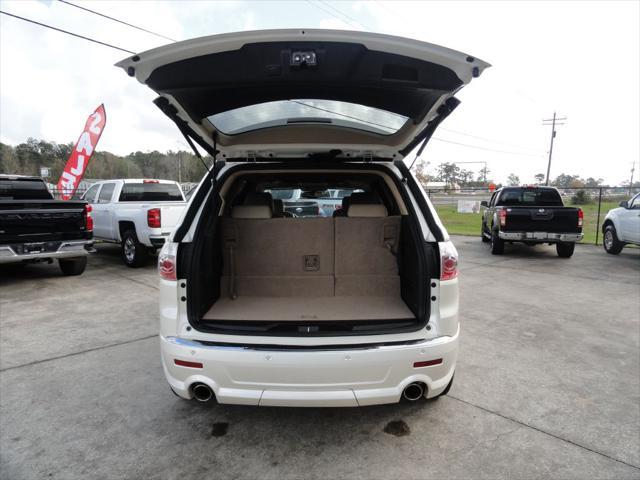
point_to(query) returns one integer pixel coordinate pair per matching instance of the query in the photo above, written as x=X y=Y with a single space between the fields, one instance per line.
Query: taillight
x=88 y=218
x=448 y=261
x=580 y=217
x=153 y=217
x=167 y=261
x=503 y=217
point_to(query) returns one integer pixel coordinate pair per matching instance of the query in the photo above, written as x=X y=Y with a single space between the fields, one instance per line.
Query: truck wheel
x=565 y=250
x=73 y=266
x=483 y=233
x=611 y=243
x=134 y=254
x=497 y=244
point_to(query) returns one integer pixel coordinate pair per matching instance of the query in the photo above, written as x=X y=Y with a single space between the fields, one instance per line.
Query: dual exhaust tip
x=412 y=392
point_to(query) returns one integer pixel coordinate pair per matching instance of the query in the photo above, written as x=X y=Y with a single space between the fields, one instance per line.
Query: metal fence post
x=598 y=219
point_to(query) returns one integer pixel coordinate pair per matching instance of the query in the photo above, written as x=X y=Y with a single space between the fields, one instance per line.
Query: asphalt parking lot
x=547 y=384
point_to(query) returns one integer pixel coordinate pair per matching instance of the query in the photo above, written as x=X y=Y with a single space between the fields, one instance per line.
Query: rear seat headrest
x=366 y=204
x=256 y=205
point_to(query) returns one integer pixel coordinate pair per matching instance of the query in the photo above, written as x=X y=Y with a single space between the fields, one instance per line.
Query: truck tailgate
x=171 y=213
x=542 y=219
x=41 y=221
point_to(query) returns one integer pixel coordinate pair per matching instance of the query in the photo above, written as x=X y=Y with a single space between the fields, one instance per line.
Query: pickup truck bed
x=531 y=215
x=40 y=228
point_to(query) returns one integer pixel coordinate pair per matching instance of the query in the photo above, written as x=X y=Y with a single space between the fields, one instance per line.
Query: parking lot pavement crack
x=544 y=432
x=72 y=354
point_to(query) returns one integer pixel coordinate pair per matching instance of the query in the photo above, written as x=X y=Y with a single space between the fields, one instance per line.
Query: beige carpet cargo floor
x=309 y=308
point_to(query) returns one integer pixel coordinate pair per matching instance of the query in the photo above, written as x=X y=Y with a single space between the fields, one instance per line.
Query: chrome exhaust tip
x=202 y=392
x=413 y=391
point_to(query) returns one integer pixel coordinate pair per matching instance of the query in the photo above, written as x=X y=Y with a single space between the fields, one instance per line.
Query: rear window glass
x=530 y=196
x=306 y=111
x=23 y=190
x=150 y=192
x=282 y=193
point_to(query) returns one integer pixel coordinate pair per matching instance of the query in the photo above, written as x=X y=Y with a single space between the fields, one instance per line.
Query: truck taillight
x=167 y=261
x=580 y=217
x=154 y=217
x=503 y=217
x=448 y=261
x=88 y=218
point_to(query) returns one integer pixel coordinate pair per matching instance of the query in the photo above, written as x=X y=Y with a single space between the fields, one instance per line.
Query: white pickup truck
x=139 y=214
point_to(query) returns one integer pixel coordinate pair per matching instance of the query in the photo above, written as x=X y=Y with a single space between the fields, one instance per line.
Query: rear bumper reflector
x=427 y=363
x=184 y=363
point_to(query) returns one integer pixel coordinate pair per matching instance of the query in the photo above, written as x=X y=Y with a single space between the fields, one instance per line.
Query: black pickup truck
x=531 y=215
x=34 y=227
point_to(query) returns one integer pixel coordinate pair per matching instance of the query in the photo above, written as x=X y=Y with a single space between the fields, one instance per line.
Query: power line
x=353 y=20
x=318 y=5
x=484 y=148
x=116 y=20
x=393 y=129
x=67 y=32
x=488 y=139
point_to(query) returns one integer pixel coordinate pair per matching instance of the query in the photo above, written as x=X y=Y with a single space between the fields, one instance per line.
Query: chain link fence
x=459 y=209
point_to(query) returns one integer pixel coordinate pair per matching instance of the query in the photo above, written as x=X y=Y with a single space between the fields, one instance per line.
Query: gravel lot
x=547 y=385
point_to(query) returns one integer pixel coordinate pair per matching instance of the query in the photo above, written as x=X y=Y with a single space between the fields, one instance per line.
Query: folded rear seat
x=310 y=257
x=366 y=242
x=276 y=257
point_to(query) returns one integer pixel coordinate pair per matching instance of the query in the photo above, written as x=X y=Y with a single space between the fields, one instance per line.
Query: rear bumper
x=67 y=249
x=541 y=236
x=309 y=378
x=158 y=242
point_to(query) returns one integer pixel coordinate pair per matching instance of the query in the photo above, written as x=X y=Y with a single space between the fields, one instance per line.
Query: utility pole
x=633 y=169
x=554 y=121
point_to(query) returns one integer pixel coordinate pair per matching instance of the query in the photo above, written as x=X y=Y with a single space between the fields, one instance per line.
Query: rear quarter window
x=151 y=192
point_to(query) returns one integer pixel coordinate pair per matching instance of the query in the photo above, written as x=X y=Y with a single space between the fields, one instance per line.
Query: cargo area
x=357 y=269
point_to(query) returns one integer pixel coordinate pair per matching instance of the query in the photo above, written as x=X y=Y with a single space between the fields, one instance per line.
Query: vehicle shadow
x=110 y=254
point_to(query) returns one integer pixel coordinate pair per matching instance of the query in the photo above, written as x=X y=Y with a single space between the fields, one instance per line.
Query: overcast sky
x=581 y=59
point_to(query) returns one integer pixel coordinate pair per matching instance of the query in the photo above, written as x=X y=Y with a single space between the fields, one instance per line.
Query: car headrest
x=342 y=211
x=366 y=204
x=256 y=205
x=367 y=210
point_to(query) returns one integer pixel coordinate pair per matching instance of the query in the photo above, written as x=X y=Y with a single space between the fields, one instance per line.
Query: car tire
x=497 y=244
x=565 y=250
x=610 y=242
x=134 y=254
x=73 y=266
x=483 y=233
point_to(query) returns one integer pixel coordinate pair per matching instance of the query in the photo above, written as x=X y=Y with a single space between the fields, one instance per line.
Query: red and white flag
x=81 y=154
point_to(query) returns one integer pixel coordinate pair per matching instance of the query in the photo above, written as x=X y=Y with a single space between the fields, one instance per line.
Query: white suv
x=621 y=226
x=260 y=308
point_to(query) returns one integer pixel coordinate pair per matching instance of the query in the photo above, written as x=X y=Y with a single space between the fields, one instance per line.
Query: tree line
x=27 y=158
x=454 y=176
